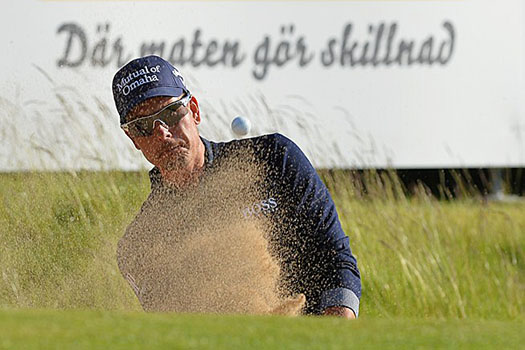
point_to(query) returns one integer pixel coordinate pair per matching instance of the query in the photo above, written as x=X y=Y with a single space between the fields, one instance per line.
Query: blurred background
x=400 y=105
x=433 y=89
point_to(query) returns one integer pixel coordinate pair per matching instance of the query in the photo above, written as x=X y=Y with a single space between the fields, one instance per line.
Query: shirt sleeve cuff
x=340 y=297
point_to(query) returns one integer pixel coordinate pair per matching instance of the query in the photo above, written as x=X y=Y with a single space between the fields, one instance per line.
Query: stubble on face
x=176 y=152
x=175 y=159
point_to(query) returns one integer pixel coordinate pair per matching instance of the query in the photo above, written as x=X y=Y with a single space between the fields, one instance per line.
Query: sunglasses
x=168 y=116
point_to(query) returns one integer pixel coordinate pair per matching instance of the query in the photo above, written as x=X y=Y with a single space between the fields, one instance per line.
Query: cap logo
x=176 y=73
x=138 y=78
x=144 y=78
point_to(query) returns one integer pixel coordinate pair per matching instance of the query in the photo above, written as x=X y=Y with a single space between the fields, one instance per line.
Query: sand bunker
x=193 y=251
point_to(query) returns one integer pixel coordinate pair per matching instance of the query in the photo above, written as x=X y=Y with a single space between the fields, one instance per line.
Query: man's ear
x=132 y=140
x=194 y=107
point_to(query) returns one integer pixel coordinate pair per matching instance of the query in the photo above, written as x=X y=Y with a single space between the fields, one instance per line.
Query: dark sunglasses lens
x=174 y=115
x=142 y=127
x=171 y=115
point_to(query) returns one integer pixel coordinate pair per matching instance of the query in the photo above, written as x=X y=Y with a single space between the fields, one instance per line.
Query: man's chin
x=174 y=163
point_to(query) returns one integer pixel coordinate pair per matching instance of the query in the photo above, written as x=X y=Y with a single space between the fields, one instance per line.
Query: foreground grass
x=419 y=258
x=34 y=329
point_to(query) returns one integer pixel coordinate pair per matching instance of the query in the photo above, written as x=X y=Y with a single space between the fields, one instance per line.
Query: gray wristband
x=340 y=297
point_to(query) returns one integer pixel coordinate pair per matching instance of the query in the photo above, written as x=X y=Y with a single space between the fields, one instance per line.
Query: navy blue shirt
x=307 y=239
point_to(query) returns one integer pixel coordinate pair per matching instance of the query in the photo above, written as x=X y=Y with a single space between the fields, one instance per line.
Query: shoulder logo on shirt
x=263 y=207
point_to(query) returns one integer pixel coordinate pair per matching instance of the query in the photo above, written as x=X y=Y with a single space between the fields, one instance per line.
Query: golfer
x=161 y=117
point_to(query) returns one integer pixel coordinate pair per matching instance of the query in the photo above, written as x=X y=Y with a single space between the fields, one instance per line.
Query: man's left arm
x=340 y=279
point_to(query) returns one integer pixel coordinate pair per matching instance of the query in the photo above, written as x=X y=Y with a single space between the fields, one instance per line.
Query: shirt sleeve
x=330 y=273
x=340 y=297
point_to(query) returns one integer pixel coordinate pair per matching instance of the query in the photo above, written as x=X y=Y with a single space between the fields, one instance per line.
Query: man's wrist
x=340 y=297
x=341 y=311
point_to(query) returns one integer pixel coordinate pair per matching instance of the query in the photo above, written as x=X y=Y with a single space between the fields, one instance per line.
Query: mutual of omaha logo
x=138 y=78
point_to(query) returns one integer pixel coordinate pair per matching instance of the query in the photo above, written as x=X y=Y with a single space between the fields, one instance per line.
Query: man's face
x=169 y=148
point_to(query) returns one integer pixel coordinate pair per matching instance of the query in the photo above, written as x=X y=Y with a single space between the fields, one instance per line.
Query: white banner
x=404 y=84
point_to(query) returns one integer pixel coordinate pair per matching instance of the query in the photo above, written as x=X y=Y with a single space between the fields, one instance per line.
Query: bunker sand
x=193 y=251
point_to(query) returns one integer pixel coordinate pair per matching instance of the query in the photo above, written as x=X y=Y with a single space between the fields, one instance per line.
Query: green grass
x=104 y=330
x=58 y=232
x=435 y=273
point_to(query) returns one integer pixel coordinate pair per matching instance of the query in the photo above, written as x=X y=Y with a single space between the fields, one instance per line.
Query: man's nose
x=161 y=129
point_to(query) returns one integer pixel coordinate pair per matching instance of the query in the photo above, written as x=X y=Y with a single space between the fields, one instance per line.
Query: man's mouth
x=172 y=149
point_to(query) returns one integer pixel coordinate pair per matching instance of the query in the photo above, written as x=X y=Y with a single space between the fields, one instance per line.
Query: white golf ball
x=241 y=126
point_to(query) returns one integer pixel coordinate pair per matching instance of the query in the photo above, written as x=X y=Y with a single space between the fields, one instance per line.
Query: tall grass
x=69 y=130
x=418 y=256
x=461 y=258
x=58 y=234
